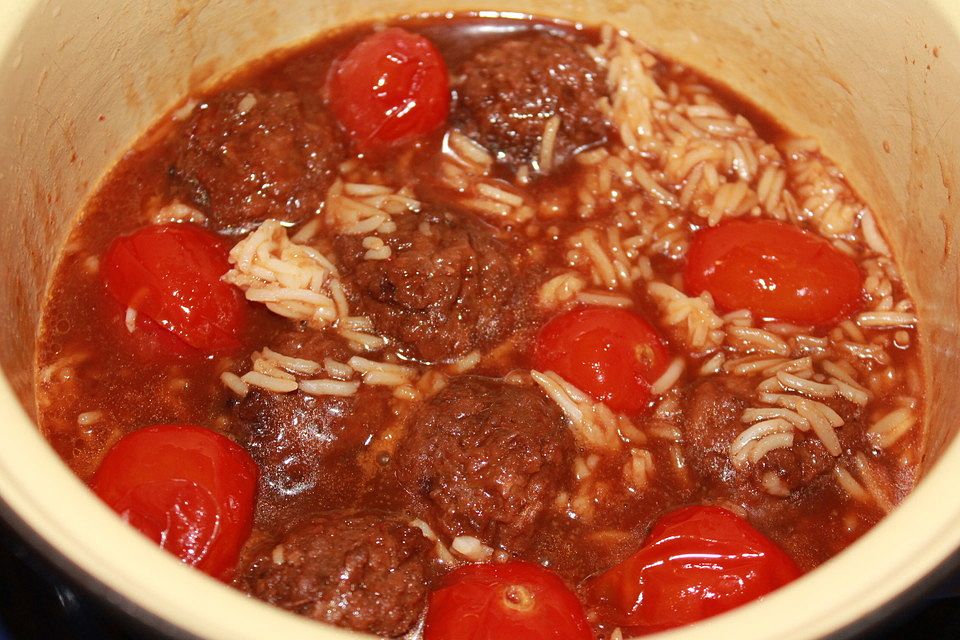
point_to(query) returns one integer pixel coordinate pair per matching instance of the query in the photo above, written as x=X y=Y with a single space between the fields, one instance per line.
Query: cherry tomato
x=187 y=488
x=610 y=353
x=171 y=273
x=775 y=270
x=156 y=342
x=390 y=88
x=148 y=341
x=497 y=601
x=697 y=562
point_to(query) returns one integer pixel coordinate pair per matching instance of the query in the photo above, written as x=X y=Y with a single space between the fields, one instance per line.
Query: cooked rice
x=363 y=209
x=89 y=418
x=791 y=382
x=603 y=299
x=785 y=413
x=769 y=443
x=713 y=365
x=872 y=235
x=695 y=316
x=755 y=339
x=376 y=249
x=183 y=112
x=471 y=549
x=593 y=424
x=886 y=319
x=743 y=444
x=849 y=484
x=291 y=280
x=774 y=485
x=466 y=363
x=279 y=373
x=466 y=151
x=548 y=144
x=466 y=170
x=441 y=550
x=669 y=377
x=425 y=528
x=767 y=413
x=178 y=212
x=361 y=341
x=290 y=364
x=608 y=269
x=130 y=319
x=91 y=264
x=407 y=392
x=873 y=483
x=500 y=195
x=269 y=383
x=889 y=429
x=560 y=289
x=639 y=469
x=233 y=382
x=324 y=387
x=821 y=425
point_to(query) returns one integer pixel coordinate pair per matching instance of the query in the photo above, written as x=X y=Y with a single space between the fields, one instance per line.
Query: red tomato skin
x=185 y=487
x=470 y=604
x=697 y=562
x=775 y=270
x=612 y=354
x=149 y=341
x=171 y=274
x=391 y=88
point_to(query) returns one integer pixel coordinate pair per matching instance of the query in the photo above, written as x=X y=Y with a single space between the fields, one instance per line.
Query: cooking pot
x=875 y=82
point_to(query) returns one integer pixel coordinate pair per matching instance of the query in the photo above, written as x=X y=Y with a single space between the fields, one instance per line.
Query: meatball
x=713 y=422
x=289 y=434
x=362 y=571
x=509 y=89
x=486 y=459
x=249 y=155
x=446 y=289
x=295 y=437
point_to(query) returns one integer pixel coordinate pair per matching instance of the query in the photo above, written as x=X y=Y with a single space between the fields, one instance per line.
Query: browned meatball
x=289 y=435
x=365 y=572
x=293 y=436
x=713 y=422
x=487 y=459
x=441 y=293
x=509 y=89
x=249 y=155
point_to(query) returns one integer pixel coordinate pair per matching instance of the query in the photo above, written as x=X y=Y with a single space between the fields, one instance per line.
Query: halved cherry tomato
x=390 y=88
x=775 y=270
x=510 y=600
x=697 y=562
x=171 y=274
x=610 y=353
x=187 y=488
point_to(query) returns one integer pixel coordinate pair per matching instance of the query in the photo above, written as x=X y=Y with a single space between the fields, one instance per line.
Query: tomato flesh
x=510 y=600
x=612 y=354
x=187 y=488
x=775 y=270
x=697 y=562
x=171 y=273
x=390 y=88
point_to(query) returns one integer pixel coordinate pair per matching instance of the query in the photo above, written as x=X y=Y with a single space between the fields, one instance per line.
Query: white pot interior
x=876 y=85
